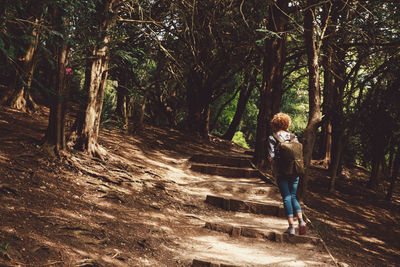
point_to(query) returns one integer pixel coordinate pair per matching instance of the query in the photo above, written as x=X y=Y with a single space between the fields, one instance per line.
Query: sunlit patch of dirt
x=145 y=207
x=357 y=224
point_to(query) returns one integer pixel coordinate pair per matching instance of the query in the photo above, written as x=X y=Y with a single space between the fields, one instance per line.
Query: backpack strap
x=277 y=137
x=280 y=140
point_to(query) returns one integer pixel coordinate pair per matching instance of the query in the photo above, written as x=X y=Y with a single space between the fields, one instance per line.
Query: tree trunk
x=391 y=161
x=95 y=83
x=244 y=96
x=20 y=99
x=199 y=99
x=329 y=13
x=337 y=149
x=375 y=178
x=271 y=89
x=122 y=107
x=327 y=106
x=223 y=106
x=314 y=92
x=54 y=140
x=142 y=111
x=395 y=174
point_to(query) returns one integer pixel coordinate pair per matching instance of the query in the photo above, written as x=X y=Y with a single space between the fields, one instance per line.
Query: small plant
x=4 y=248
x=239 y=139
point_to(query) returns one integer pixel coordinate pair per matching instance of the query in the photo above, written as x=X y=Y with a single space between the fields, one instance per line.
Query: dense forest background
x=212 y=67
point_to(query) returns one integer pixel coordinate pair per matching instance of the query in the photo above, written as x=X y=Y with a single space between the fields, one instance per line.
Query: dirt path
x=143 y=207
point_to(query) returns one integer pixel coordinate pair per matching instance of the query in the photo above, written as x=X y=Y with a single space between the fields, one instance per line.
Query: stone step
x=253 y=232
x=200 y=263
x=246 y=206
x=212 y=247
x=239 y=162
x=225 y=171
x=251 y=189
x=249 y=153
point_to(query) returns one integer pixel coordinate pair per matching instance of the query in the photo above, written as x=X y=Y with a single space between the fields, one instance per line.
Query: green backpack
x=289 y=157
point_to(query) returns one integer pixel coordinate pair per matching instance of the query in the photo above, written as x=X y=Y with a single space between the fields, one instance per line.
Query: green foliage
x=240 y=140
x=227 y=114
x=295 y=104
x=267 y=35
x=249 y=120
x=109 y=103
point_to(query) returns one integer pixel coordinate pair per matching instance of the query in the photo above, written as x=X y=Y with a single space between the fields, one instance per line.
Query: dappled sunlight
x=355 y=222
x=144 y=206
x=372 y=240
x=246 y=252
x=262 y=222
x=69 y=213
x=351 y=240
x=3 y=158
x=103 y=214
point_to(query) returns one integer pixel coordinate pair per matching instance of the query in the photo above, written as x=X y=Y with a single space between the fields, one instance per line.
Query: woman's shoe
x=290 y=231
x=302 y=229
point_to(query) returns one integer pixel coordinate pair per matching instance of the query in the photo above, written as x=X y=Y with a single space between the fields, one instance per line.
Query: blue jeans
x=288 y=189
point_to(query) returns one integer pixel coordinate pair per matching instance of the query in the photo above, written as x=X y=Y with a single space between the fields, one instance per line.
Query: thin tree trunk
x=271 y=89
x=199 y=99
x=121 y=109
x=329 y=82
x=391 y=162
x=314 y=93
x=222 y=107
x=244 y=96
x=375 y=178
x=329 y=85
x=54 y=140
x=337 y=150
x=142 y=111
x=395 y=174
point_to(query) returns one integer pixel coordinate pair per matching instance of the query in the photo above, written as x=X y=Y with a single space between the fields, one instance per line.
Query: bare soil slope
x=145 y=207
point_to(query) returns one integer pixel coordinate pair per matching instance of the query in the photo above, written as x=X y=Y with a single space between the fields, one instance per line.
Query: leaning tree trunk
x=327 y=106
x=337 y=149
x=376 y=167
x=244 y=96
x=54 y=140
x=199 y=99
x=314 y=97
x=122 y=105
x=394 y=176
x=337 y=115
x=329 y=19
x=271 y=89
x=95 y=82
x=21 y=98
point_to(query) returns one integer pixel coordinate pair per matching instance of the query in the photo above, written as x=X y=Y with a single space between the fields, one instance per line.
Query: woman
x=280 y=124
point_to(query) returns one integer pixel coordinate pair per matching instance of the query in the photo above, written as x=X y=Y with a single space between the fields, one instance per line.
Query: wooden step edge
x=230 y=161
x=236 y=231
x=220 y=170
x=197 y=157
x=246 y=206
x=205 y=165
x=202 y=263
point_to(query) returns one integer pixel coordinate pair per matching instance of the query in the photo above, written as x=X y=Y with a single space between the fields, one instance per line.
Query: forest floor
x=141 y=208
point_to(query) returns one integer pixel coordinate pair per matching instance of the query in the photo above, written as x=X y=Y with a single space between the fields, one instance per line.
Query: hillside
x=144 y=206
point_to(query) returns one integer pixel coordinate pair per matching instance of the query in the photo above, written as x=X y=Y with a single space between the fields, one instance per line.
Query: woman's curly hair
x=280 y=121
